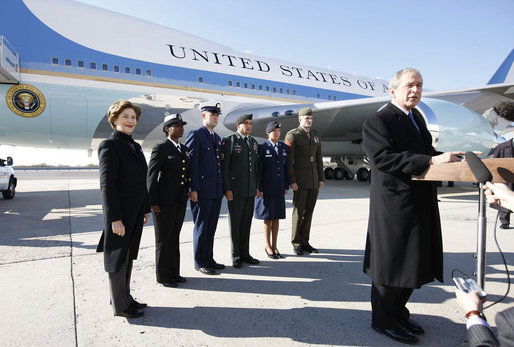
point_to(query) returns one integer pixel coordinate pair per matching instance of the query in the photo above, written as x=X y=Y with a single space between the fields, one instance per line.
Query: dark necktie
x=178 y=147
x=276 y=148
x=411 y=116
x=246 y=140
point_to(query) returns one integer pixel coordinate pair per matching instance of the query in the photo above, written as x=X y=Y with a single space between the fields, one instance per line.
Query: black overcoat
x=404 y=243
x=124 y=197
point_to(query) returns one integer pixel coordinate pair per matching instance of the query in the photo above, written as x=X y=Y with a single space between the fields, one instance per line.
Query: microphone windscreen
x=478 y=168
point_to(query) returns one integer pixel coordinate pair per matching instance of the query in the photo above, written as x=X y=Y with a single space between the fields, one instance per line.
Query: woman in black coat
x=168 y=186
x=125 y=204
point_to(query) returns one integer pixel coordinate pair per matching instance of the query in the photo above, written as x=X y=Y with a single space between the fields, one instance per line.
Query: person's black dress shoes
x=413 y=326
x=237 y=263
x=217 y=266
x=138 y=305
x=170 y=284
x=399 y=334
x=504 y=226
x=298 y=250
x=309 y=248
x=131 y=312
x=180 y=279
x=206 y=270
x=271 y=255
x=251 y=260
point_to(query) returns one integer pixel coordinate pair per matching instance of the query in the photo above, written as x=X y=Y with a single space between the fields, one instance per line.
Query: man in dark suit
x=404 y=243
x=478 y=330
x=206 y=187
x=168 y=190
x=305 y=177
x=241 y=185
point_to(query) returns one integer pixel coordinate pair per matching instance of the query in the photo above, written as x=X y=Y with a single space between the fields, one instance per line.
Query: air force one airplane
x=63 y=63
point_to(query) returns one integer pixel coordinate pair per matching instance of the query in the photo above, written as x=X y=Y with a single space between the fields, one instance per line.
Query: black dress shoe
x=217 y=266
x=130 y=312
x=170 y=284
x=206 y=270
x=138 y=305
x=180 y=279
x=504 y=226
x=298 y=250
x=237 y=263
x=279 y=256
x=309 y=248
x=251 y=260
x=270 y=255
x=413 y=326
x=399 y=334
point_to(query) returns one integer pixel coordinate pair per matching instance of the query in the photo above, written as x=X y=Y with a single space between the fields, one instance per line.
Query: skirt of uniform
x=270 y=207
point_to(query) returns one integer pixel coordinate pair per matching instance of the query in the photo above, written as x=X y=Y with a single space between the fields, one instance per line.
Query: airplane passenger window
x=92 y=66
x=281 y=91
x=80 y=64
x=230 y=83
x=138 y=71
x=294 y=92
x=260 y=87
x=67 y=62
x=335 y=97
x=267 y=88
x=238 y=84
x=116 y=68
x=287 y=91
x=200 y=79
x=274 y=89
x=245 y=85
x=149 y=73
x=105 y=67
x=329 y=97
x=127 y=70
x=55 y=61
x=253 y=86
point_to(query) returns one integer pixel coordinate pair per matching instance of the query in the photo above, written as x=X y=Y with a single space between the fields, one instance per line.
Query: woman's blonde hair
x=119 y=106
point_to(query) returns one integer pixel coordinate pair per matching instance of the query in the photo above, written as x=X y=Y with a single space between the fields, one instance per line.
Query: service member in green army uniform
x=240 y=183
x=305 y=178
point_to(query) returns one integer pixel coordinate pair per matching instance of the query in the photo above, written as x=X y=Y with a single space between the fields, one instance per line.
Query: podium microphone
x=482 y=175
x=478 y=168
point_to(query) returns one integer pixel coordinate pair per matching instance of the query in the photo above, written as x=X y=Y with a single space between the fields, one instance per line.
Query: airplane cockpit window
x=116 y=68
x=105 y=67
x=81 y=64
x=55 y=61
x=92 y=66
x=67 y=62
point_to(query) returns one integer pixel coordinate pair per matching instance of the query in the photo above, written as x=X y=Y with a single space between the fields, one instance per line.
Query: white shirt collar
x=401 y=108
x=174 y=143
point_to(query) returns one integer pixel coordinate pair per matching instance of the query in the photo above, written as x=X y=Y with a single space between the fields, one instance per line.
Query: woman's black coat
x=124 y=197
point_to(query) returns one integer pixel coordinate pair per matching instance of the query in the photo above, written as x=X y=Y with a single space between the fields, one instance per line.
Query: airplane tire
x=329 y=173
x=348 y=175
x=338 y=173
x=363 y=174
x=11 y=190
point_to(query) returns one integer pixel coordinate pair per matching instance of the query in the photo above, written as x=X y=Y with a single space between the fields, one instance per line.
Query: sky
x=455 y=44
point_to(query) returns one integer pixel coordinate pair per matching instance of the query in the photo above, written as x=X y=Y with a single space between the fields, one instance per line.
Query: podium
x=502 y=170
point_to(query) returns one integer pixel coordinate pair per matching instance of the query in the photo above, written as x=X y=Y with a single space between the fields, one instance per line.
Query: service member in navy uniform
x=168 y=190
x=241 y=185
x=206 y=187
x=125 y=204
x=306 y=178
x=274 y=183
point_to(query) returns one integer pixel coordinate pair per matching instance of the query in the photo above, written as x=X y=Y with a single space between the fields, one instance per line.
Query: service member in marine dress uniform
x=306 y=178
x=206 y=187
x=168 y=190
x=241 y=185
x=274 y=183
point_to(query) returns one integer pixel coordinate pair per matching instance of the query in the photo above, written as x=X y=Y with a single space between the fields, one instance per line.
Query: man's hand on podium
x=447 y=157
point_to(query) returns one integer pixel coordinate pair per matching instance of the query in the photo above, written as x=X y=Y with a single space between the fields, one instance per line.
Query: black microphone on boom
x=478 y=168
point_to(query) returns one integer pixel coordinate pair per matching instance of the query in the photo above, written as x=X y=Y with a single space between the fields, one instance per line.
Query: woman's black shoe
x=272 y=255
x=279 y=255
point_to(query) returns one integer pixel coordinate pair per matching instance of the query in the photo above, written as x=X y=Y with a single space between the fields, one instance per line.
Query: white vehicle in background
x=7 y=180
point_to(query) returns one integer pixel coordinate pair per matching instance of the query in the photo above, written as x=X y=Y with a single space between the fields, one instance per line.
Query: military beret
x=172 y=119
x=244 y=117
x=306 y=111
x=211 y=106
x=272 y=126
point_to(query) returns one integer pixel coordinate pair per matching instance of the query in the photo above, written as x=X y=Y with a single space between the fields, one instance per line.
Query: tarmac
x=54 y=290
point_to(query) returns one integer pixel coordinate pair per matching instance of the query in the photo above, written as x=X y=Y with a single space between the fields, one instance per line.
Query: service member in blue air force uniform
x=168 y=190
x=241 y=185
x=206 y=187
x=125 y=204
x=274 y=183
x=404 y=245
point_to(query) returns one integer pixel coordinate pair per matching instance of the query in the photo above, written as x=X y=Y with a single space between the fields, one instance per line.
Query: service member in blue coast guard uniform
x=206 y=187
x=241 y=185
x=274 y=183
x=168 y=190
